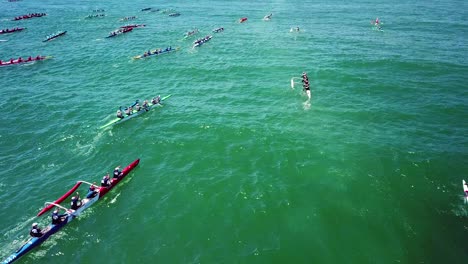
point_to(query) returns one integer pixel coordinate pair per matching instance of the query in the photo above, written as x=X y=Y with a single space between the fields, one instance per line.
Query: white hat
x=34 y=224
x=74 y=198
x=55 y=211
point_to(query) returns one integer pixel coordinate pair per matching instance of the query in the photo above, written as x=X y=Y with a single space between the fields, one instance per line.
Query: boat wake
x=306 y=105
x=18 y=233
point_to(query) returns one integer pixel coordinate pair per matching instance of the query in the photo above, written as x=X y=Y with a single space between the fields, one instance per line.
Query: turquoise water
x=237 y=167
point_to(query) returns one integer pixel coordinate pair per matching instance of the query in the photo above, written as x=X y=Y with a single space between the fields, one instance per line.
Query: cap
x=34 y=224
x=74 y=198
x=55 y=211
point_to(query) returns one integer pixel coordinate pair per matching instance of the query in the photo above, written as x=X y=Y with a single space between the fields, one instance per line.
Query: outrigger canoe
x=199 y=42
x=217 y=30
x=135 y=114
x=94 y=16
x=18 y=61
x=191 y=33
x=28 y=16
x=70 y=215
x=55 y=36
x=134 y=26
x=119 y=31
x=155 y=52
x=7 y=31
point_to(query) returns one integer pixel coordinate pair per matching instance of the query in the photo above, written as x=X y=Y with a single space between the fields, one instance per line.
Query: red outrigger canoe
x=21 y=61
x=101 y=190
x=6 y=31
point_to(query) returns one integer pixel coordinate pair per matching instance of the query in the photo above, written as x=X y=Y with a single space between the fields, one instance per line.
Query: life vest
x=35 y=232
x=75 y=204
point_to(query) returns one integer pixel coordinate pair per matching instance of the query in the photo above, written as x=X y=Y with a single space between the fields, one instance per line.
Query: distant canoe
x=21 y=61
x=7 y=31
x=55 y=36
x=119 y=32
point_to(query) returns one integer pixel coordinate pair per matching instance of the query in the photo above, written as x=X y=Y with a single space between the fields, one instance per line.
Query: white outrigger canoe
x=134 y=114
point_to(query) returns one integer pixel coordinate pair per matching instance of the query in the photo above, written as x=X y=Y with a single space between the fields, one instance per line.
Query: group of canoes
x=21 y=60
x=11 y=30
x=201 y=41
x=30 y=16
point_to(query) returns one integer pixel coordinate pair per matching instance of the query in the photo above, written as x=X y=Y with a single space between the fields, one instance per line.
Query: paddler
x=119 y=113
x=117 y=172
x=35 y=231
x=137 y=107
x=129 y=110
x=156 y=100
x=305 y=84
x=92 y=191
x=106 y=182
x=56 y=218
x=75 y=202
x=145 y=105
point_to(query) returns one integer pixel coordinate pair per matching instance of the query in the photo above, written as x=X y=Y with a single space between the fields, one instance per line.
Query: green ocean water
x=237 y=167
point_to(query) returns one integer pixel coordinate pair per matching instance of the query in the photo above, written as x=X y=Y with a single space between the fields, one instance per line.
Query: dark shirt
x=35 y=232
x=105 y=182
x=57 y=219
x=75 y=204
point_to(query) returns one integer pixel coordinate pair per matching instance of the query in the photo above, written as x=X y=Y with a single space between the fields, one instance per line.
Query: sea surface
x=238 y=167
